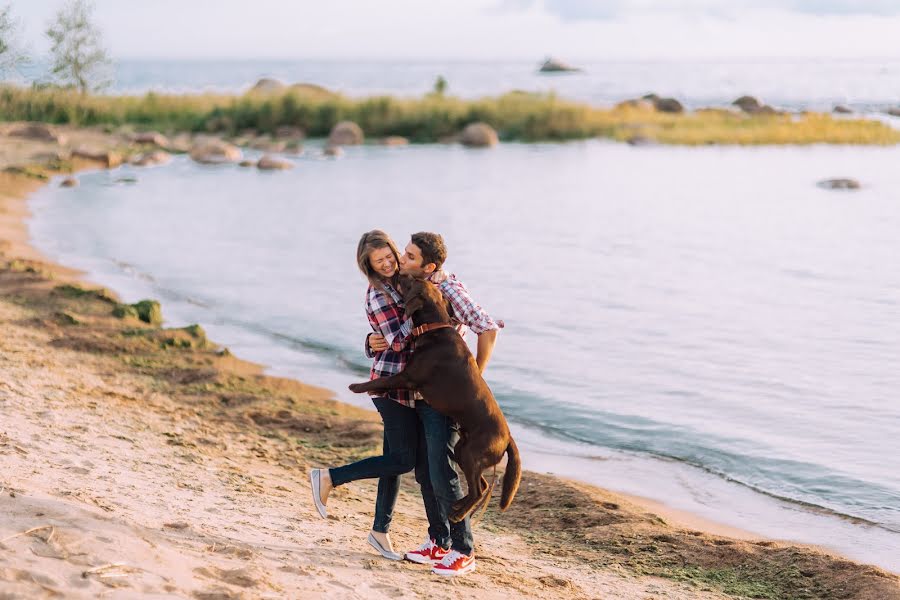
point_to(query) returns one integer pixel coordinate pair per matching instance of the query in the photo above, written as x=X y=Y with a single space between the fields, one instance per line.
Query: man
x=450 y=545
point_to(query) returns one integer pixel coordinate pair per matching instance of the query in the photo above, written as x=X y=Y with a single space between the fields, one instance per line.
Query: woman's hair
x=375 y=240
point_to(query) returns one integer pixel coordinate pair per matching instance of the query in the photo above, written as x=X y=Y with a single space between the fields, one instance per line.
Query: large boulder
x=108 y=158
x=212 y=151
x=553 y=65
x=149 y=159
x=841 y=183
x=272 y=163
x=479 y=135
x=268 y=85
x=893 y=111
x=153 y=138
x=346 y=133
x=748 y=104
x=842 y=109
x=39 y=132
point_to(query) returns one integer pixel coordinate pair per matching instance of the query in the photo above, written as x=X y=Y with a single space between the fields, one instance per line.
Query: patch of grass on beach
x=516 y=116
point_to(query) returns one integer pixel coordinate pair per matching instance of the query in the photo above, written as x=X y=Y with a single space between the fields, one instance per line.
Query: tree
x=440 y=86
x=77 y=51
x=11 y=55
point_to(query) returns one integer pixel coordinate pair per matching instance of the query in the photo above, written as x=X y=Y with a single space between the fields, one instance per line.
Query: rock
x=294 y=147
x=211 y=151
x=479 y=135
x=668 y=105
x=334 y=151
x=766 y=110
x=128 y=180
x=109 y=158
x=180 y=143
x=346 y=133
x=641 y=140
x=894 y=111
x=651 y=97
x=147 y=311
x=844 y=183
x=553 y=65
x=272 y=163
x=247 y=163
x=289 y=132
x=148 y=159
x=68 y=182
x=394 y=140
x=151 y=137
x=748 y=104
x=38 y=131
x=267 y=85
x=267 y=145
x=636 y=104
x=842 y=109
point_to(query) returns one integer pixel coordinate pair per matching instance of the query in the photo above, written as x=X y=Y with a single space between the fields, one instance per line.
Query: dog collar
x=428 y=327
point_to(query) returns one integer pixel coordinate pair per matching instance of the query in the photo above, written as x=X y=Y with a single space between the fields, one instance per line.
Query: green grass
x=516 y=116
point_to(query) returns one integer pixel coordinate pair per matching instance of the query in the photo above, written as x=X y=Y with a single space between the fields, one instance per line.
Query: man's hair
x=432 y=247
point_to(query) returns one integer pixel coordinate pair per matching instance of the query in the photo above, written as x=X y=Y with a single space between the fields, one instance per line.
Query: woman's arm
x=385 y=318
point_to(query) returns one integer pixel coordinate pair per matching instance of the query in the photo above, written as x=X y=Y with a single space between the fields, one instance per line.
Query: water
x=865 y=84
x=700 y=325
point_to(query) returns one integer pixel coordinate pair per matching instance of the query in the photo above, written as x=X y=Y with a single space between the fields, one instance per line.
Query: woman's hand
x=438 y=277
x=377 y=343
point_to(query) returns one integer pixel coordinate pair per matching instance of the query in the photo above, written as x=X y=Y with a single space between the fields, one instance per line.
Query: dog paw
x=356 y=388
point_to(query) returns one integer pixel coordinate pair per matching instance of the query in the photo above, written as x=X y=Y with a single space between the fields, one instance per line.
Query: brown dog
x=444 y=371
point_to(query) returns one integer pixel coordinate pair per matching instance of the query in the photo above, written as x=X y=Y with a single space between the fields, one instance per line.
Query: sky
x=483 y=29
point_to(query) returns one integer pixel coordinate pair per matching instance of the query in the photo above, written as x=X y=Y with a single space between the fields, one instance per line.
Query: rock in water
x=346 y=133
x=272 y=163
x=479 y=135
x=148 y=159
x=553 y=65
x=394 y=140
x=843 y=183
x=333 y=151
x=68 y=182
x=214 y=152
x=151 y=137
x=841 y=109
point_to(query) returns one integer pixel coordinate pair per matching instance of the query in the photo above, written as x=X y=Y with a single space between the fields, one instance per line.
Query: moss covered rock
x=148 y=311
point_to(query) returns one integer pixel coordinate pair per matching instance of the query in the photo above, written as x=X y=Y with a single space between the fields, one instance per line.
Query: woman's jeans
x=401 y=439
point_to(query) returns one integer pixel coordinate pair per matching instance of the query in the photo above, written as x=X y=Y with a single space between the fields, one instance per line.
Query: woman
x=378 y=260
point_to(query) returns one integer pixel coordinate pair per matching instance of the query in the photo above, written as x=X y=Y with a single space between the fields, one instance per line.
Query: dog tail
x=512 y=475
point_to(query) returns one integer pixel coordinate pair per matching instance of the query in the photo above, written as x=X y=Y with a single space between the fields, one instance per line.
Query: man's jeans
x=401 y=432
x=436 y=474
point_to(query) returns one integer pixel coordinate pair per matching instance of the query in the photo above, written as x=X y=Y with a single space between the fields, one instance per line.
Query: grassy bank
x=516 y=116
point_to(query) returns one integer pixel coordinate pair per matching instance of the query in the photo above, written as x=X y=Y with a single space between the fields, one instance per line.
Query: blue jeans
x=437 y=477
x=401 y=426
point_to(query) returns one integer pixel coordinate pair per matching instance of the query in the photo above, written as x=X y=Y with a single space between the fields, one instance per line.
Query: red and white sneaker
x=455 y=563
x=428 y=553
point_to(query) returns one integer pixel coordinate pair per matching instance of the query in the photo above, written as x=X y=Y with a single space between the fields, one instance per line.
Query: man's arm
x=486 y=343
x=474 y=317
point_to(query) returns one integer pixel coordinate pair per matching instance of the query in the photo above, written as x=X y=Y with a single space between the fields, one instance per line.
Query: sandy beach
x=139 y=461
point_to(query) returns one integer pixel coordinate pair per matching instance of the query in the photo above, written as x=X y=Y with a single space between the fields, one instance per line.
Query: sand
x=135 y=466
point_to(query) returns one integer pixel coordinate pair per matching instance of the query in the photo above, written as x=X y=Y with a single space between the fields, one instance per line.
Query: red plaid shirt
x=388 y=317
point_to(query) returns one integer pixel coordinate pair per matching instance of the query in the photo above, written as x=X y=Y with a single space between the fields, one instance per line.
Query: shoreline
x=14 y=244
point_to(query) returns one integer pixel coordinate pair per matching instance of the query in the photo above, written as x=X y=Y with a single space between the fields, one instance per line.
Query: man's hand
x=377 y=343
x=486 y=343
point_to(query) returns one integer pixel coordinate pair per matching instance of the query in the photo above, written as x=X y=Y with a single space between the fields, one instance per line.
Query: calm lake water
x=702 y=326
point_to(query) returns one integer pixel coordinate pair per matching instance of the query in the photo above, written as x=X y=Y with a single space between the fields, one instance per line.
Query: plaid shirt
x=387 y=317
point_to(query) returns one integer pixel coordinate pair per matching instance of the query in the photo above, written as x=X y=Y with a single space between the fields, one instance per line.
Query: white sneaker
x=455 y=563
x=315 y=482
